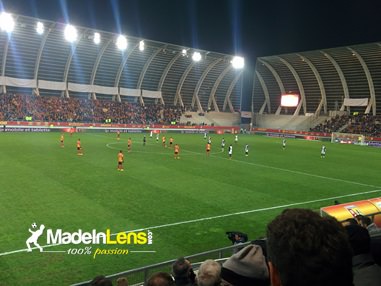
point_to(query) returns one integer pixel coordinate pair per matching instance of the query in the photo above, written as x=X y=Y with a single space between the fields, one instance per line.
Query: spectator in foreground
x=160 y=279
x=122 y=281
x=365 y=271
x=183 y=272
x=209 y=273
x=367 y=223
x=246 y=267
x=307 y=249
x=101 y=280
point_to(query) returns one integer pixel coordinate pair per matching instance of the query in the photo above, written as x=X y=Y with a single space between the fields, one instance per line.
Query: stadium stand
x=343 y=80
x=364 y=124
x=55 y=109
x=48 y=65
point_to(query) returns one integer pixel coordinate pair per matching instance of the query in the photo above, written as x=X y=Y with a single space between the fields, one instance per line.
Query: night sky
x=249 y=28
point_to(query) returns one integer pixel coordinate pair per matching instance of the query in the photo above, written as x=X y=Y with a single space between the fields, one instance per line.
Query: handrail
x=145 y=270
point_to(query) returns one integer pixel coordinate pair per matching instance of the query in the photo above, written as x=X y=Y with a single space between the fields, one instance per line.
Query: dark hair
x=181 y=268
x=182 y=271
x=160 y=279
x=364 y=220
x=350 y=221
x=359 y=239
x=307 y=249
x=101 y=280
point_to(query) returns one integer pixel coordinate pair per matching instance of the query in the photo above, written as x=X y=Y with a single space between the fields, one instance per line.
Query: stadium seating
x=15 y=107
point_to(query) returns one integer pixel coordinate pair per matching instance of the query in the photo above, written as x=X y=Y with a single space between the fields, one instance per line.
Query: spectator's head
x=160 y=279
x=209 y=273
x=182 y=270
x=101 y=280
x=122 y=281
x=364 y=221
x=359 y=239
x=246 y=267
x=349 y=221
x=307 y=249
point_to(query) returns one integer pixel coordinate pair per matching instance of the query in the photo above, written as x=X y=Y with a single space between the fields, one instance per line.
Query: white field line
x=244 y=212
x=218 y=217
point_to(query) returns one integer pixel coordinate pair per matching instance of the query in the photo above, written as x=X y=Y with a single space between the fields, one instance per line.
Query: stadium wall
x=29 y=126
x=289 y=122
x=211 y=118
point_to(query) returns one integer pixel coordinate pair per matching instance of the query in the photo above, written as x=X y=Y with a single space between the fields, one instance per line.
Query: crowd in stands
x=302 y=248
x=331 y=125
x=364 y=124
x=16 y=107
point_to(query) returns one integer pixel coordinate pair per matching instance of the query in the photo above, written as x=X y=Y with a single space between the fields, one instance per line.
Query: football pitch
x=187 y=205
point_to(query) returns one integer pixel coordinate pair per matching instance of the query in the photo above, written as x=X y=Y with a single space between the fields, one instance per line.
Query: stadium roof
x=50 y=65
x=337 y=79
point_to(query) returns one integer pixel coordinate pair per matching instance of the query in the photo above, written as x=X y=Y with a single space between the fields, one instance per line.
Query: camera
x=237 y=237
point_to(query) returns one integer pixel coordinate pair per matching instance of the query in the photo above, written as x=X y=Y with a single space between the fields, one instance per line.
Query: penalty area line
x=218 y=217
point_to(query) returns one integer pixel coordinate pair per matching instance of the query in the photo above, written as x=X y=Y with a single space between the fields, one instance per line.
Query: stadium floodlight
x=141 y=45
x=97 y=38
x=184 y=52
x=196 y=56
x=121 y=42
x=70 y=33
x=238 y=62
x=7 y=23
x=40 y=28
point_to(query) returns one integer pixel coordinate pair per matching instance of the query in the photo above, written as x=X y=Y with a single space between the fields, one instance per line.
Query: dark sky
x=249 y=28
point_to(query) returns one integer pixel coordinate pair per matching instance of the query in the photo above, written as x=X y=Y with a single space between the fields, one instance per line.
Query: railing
x=140 y=275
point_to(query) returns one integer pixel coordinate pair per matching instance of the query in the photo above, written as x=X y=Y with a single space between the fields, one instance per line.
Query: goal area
x=347 y=138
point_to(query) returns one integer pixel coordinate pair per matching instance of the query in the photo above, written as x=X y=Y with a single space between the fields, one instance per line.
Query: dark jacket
x=365 y=271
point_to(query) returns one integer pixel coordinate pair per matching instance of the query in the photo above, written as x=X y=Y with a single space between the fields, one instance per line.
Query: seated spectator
x=101 y=280
x=183 y=272
x=307 y=249
x=375 y=233
x=122 y=281
x=160 y=279
x=365 y=271
x=349 y=221
x=367 y=223
x=209 y=273
x=53 y=108
x=246 y=267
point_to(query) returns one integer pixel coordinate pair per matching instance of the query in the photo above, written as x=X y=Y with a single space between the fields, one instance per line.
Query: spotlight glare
x=40 y=28
x=97 y=38
x=238 y=62
x=121 y=42
x=7 y=23
x=184 y=52
x=196 y=56
x=141 y=45
x=70 y=33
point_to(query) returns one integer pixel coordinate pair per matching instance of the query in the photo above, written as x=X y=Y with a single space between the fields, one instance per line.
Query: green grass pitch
x=188 y=204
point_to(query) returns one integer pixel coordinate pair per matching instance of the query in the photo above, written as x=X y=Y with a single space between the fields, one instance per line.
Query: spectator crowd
x=302 y=248
x=364 y=124
x=16 y=107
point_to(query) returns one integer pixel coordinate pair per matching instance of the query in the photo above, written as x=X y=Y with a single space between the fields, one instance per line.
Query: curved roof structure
x=337 y=79
x=50 y=65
